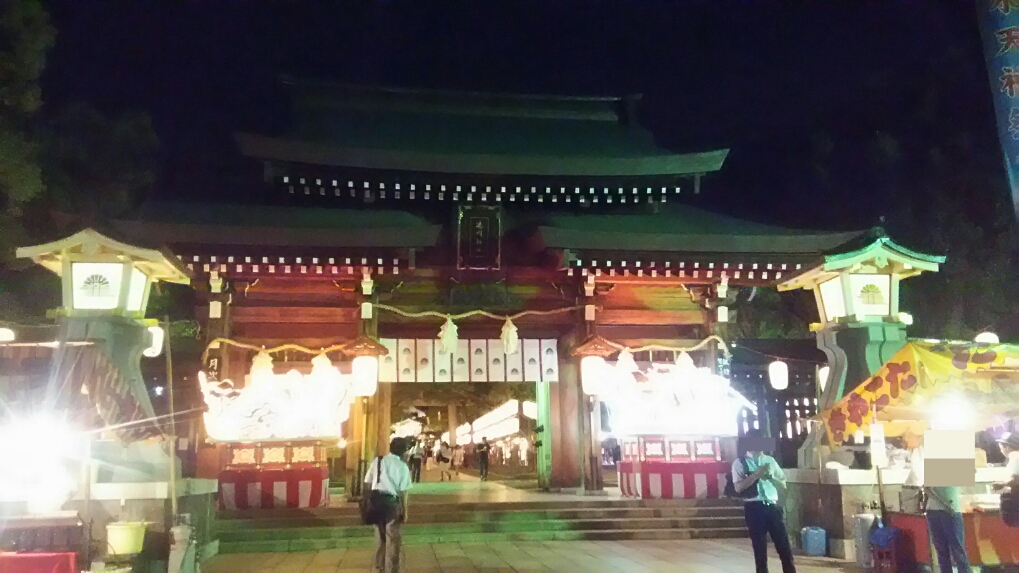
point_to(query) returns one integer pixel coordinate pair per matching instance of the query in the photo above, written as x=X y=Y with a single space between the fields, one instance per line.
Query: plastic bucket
x=814 y=541
x=125 y=537
x=863 y=523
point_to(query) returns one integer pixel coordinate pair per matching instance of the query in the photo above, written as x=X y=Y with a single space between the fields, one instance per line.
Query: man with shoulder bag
x=384 y=504
x=756 y=477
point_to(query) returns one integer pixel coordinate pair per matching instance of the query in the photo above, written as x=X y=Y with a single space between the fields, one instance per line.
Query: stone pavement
x=695 y=556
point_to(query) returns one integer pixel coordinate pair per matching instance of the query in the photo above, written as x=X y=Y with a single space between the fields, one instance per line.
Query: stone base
x=842 y=549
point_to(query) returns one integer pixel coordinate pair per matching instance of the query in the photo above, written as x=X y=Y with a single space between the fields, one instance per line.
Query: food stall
x=677 y=424
x=936 y=385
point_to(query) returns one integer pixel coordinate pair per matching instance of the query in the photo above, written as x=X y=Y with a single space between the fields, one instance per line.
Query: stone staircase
x=450 y=522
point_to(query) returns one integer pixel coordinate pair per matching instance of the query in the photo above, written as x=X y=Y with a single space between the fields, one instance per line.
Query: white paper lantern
x=986 y=338
x=592 y=368
x=366 y=375
x=7 y=335
x=778 y=374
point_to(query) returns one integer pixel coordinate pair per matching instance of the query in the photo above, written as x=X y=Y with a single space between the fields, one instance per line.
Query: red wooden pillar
x=567 y=407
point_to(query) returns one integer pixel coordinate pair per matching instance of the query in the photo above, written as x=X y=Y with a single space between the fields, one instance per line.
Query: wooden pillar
x=597 y=481
x=383 y=418
x=451 y=418
x=543 y=449
x=354 y=452
x=217 y=361
x=567 y=413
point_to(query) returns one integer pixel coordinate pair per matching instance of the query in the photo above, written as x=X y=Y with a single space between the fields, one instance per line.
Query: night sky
x=758 y=77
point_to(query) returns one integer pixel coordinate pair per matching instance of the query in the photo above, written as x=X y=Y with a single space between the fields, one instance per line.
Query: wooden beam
x=650 y=317
x=295 y=314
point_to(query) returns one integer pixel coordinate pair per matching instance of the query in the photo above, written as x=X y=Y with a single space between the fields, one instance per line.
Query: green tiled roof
x=680 y=228
x=177 y=223
x=430 y=131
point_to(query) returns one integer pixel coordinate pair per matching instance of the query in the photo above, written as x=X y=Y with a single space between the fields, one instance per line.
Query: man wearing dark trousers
x=482 y=450
x=757 y=470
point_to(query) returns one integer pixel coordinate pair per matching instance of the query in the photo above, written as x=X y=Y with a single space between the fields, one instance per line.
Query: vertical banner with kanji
x=999 y=28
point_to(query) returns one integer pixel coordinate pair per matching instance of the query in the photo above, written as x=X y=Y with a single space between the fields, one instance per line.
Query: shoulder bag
x=730 y=485
x=376 y=506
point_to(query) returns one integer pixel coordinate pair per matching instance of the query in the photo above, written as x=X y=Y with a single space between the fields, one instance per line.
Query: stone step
x=312 y=544
x=491 y=507
x=413 y=529
x=426 y=515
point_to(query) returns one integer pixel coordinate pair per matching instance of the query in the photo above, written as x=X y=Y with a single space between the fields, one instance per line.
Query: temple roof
x=471 y=133
x=176 y=223
x=681 y=228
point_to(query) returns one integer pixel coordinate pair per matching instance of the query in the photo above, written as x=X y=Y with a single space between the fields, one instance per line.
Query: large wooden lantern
x=102 y=277
x=861 y=325
x=862 y=285
x=106 y=287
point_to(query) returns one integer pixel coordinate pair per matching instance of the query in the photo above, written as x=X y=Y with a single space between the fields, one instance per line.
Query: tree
x=96 y=166
x=25 y=37
x=766 y=313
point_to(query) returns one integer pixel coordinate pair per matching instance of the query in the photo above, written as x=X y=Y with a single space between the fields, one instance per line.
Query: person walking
x=483 y=448
x=755 y=469
x=444 y=458
x=390 y=476
x=458 y=459
x=415 y=456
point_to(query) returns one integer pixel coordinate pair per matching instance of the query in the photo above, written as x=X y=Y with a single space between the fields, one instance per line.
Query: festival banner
x=999 y=29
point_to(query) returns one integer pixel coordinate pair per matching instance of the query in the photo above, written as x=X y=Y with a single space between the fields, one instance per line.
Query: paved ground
x=699 y=556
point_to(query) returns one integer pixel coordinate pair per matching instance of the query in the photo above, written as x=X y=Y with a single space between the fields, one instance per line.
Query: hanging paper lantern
x=986 y=338
x=366 y=375
x=592 y=370
x=510 y=338
x=778 y=374
x=447 y=337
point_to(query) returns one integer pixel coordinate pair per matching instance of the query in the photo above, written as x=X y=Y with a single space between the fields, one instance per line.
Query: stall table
x=38 y=563
x=988 y=540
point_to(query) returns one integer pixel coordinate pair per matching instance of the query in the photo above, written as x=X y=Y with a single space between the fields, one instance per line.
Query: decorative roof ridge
x=877 y=237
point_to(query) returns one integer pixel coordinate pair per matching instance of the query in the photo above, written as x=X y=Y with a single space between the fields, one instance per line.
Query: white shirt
x=395 y=478
x=1012 y=464
x=766 y=490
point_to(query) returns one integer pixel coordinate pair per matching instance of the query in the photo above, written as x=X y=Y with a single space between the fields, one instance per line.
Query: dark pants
x=415 y=469
x=483 y=467
x=949 y=539
x=764 y=519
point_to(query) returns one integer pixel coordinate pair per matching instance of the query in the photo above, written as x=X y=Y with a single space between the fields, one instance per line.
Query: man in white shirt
x=755 y=469
x=389 y=475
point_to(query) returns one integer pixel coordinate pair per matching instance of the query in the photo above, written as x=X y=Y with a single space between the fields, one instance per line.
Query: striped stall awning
x=475 y=360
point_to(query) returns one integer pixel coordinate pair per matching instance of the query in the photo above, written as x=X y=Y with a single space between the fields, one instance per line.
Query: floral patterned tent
x=986 y=375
